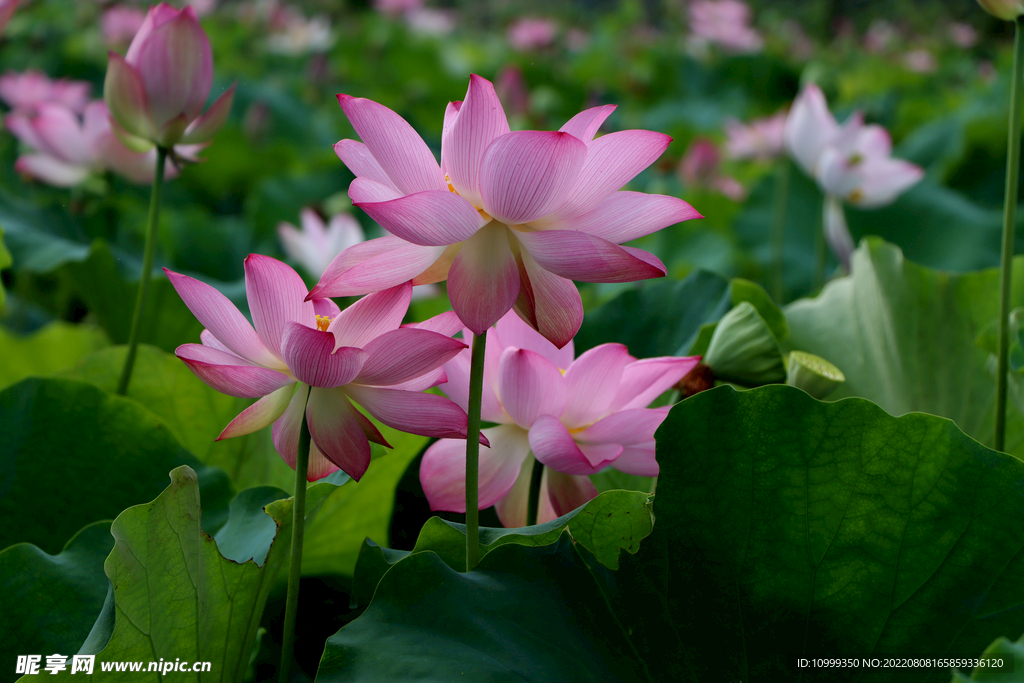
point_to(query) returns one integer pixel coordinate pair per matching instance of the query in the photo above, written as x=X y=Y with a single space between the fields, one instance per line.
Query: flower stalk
x=295 y=562
x=1009 y=225
x=147 y=271
x=476 y=393
x=778 y=234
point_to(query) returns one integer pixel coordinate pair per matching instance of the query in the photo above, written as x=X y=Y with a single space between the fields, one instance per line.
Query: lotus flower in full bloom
x=575 y=416
x=157 y=91
x=303 y=350
x=852 y=163
x=508 y=218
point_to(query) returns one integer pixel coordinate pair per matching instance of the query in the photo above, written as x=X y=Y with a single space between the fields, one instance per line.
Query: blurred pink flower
x=760 y=139
x=427 y=21
x=508 y=218
x=294 y=34
x=880 y=36
x=120 y=23
x=700 y=168
x=725 y=23
x=511 y=89
x=920 y=61
x=576 y=416
x=302 y=349
x=318 y=243
x=32 y=88
x=157 y=91
x=395 y=7
x=963 y=35
x=532 y=33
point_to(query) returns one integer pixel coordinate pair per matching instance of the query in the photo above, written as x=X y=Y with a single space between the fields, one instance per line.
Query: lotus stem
x=476 y=393
x=1009 y=229
x=820 y=251
x=147 y=271
x=778 y=235
x=533 y=500
x=295 y=562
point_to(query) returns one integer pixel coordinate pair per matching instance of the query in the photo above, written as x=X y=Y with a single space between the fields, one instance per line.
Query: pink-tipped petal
x=398 y=149
x=368 y=191
x=336 y=431
x=59 y=133
x=591 y=382
x=426 y=381
x=373 y=266
x=446 y=323
x=483 y=281
x=371 y=316
x=566 y=492
x=884 y=181
x=436 y=218
x=286 y=428
x=207 y=339
x=526 y=174
x=156 y=16
x=217 y=314
x=362 y=163
x=230 y=374
x=206 y=126
x=125 y=95
x=529 y=386
x=423 y=414
x=553 y=445
x=443 y=470
x=312 y=357
x=639 y=460
x=645 y=380
x=627 y=427
x=326 y=307
x=584 y=125
x=404 y=354
x=175 y=65
x=549 y=303
x=473 y=126
x=514 y=331
x=612 y=161
x=511 y=507
x=626 y=216
x=276 y=296
x=583 y=257
x=260 y=414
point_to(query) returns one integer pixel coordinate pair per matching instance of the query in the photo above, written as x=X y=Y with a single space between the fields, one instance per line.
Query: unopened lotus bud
x=744 y=350
x=813 y=374
x=1004 y=9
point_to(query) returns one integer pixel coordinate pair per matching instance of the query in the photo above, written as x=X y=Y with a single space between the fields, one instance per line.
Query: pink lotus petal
x=207 y=339
x=584 y=125
x=427 y=218
x=886 y=179
x=404 y=354
x=529 y=386
x=583 y=257
x=627 y=427
x=286 y=438
x=230 y=374
x=526 y=174
x=368 y=191
x=260 y=414
x=59 y=133
x=443 y=470
x=156 y=16
x=369 y=429
x=50 y=170
x=483 y=281
x=567 y=492
x=423 y=414
x=326 y=307
x=553 y=445
x=362 y=163
x=275 y=293
x=457 y=384
x=810 y=127
x=514 y=331
x=639 y=460
x=206 y=126
x=222 y=319
x=480 y=120
x=626 y=216
x=20 y=123
x=511 y=508
x=371 y=316
x=446 y=323
x=426 y=381
x=612 y=161
x=549 y=303
x=398 y=149
x=591 y=382
x=837 y=233
x=125 y=95
x=313 y=358
x=336 y=431
x=645 y=380
x=374 y=265
x=175 y=65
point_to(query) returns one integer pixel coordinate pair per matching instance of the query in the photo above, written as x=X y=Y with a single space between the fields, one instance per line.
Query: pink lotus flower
x=700 y=168
x=760 y=139
x=309 y=349
x=32 y=88
x=576 y=417
x=508 y=218
x=725 y=23
x=156 y=92
x=318 y=243
x=531 y=33
x=67 y=148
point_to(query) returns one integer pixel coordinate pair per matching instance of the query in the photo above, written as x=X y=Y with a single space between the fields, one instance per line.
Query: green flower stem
x=295 y=562
x=779 y=227
x=820 y=253
x=533 y=500
x=1009 y=225
x=476 y=393
x=147 y=271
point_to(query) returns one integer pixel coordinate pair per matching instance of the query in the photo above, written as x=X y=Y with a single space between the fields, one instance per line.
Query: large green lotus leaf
x=1004 y=663
x=40 y=240
x=47 y=350
x=195 y=413
x=51 y=601
x=72 y=454
x=904 y=337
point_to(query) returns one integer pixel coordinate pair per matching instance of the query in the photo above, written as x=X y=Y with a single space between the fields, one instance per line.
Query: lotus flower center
x=323 y=322
x=855 y=159
x=856 y=196
x=451 y=188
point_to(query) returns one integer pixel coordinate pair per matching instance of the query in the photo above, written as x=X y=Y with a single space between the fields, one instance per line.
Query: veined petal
x=326 y=307
x=373 y=266
x=126 y=98
x=526 y=174
x=645 y=380
x=398 y=149
x=625 y=216
x=336 y=431
x=423 y=414
x=156 y=16
x=230 y=374
x=511 y=507
x=404 y=354
x=583 y=257
x=553 y=445
x=222 y=319
x=371 y=316
x=435 y=218
x=425 y=381
x=276 y=296
x=584 y=125
x=175 y=65
x=549 y=303
x=367 y=191
x=313 y=358
x=474 y=125
x=514 y=331
x=612 y=161
x=443 y=470
x=529 y=386
x=591 y=382
x=206 y=126
x=567 y=492
x=260 y=414
x=638 y=459
x=456 y=386
x=207 y=339
x=627 y=427
x=286 y=429
x=483 y=281
x=362 y=163
x=446 y=323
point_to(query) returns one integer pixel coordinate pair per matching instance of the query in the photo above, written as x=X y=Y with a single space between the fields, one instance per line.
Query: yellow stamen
x=451 y=188
x=855 y=159
x=856 y=196
x=323 y=322
x=562 y=371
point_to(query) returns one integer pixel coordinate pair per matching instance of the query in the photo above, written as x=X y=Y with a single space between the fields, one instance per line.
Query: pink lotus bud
x=1004 y=9
x=156 y=92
